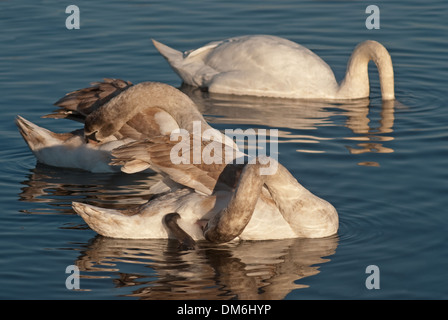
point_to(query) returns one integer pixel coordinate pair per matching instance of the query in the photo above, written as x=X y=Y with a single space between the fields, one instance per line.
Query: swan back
x=260 y=65
x=269 y=64
x=146 y=221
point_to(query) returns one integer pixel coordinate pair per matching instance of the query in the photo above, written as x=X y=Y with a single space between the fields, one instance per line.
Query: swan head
x=91 y=137
x=96 y=131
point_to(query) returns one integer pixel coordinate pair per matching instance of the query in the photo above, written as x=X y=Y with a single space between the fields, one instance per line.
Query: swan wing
x=78 y=104
x=269 y=65
x=92 y=103
x=199 y=52
x=142 y=111
x=159 y=155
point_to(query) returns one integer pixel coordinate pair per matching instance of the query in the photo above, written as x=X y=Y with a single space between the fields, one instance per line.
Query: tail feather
x=101 y=220
x=37 y=137
x=173 y=56
x=190 y=67
x=130 y=223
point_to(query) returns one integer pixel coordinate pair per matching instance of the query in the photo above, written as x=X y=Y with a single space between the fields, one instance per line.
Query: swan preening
x=128 y=127
x=215 y=202
x=265 y=65
x=114 y=112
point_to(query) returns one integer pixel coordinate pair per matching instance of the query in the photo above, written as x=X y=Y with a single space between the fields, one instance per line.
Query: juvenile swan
x=264 y=65
x=216 y=202
x=114 y=112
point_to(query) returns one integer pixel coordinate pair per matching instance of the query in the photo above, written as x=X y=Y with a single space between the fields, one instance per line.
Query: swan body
x=265 y=65
x=68 y=150
x=114 y=112
x=215 y=202
x=194 y=208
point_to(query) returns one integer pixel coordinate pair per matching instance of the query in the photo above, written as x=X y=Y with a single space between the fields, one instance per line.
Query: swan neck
x=230 y=222
x=174 y=102
x=307 y=214
x=356 y=82
x=283 y=187
x=142 y=96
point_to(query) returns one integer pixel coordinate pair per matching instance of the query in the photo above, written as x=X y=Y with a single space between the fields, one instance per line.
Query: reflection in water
x=303 y=115
x=58 y=187
x=239 y=270
x=358 y=122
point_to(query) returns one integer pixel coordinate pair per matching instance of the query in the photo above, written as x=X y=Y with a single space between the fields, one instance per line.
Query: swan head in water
x=265 y=65
x=356 y=82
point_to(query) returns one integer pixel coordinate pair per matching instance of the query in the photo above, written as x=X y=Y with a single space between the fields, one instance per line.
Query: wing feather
x=78 y=104
x=157 y=154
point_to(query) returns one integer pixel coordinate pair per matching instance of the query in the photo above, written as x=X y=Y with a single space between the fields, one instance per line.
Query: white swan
x=265 y=65
x=114 y=112
x=216 y=202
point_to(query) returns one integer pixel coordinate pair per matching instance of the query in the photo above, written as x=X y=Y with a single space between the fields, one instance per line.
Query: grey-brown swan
x=114 y=112
x=217 y=202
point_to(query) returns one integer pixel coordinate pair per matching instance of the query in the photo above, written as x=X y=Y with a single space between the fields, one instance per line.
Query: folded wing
x=178 y=161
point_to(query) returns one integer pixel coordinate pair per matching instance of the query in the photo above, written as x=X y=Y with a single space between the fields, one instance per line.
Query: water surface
x=383 y=165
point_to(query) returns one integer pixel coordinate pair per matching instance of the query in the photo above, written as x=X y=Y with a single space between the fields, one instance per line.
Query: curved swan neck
x=231 y=221
x=175 y=102
x=356 y=82
x=114 y=114
x=285 y=190
x=308 y=215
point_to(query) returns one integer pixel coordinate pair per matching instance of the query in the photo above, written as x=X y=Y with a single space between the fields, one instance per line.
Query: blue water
x=383 y=166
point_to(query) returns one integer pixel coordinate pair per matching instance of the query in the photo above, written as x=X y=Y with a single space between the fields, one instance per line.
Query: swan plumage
x=265 y=65
x=114 y=112
x=218 y=202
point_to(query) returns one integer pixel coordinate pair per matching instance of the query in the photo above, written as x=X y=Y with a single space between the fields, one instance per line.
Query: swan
x=265 y=65
x=114 y=112
x=218 y=202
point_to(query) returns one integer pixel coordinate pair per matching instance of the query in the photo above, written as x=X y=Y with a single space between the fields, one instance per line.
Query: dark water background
x=383 y=166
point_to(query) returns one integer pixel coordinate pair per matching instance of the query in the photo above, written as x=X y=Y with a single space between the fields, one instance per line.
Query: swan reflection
x=295 y=116
x=155 y=269
x=58 y=187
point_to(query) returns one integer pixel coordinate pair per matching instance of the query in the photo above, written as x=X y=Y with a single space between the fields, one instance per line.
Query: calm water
x=383 y=166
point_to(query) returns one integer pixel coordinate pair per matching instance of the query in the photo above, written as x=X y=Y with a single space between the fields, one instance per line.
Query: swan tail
x=189 y=66
x=129 y=223
x=173 y=56
x=37 y=137
x=101 y=220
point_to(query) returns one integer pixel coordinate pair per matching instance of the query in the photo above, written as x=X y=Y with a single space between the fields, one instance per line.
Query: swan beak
x=91 y=137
